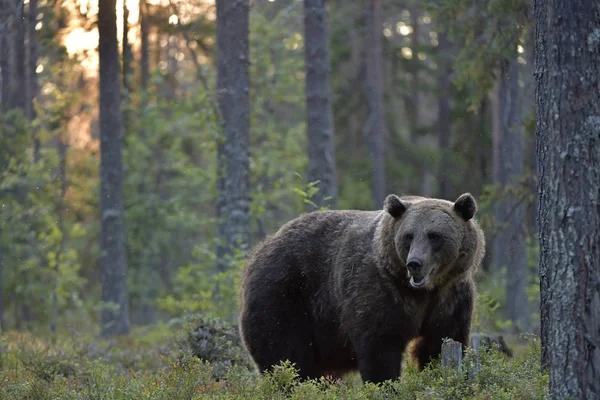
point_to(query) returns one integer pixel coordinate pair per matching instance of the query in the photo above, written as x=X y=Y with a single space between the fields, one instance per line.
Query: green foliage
x=307 y=193
x=486 y=33
x=80 y=367
x=41 y=266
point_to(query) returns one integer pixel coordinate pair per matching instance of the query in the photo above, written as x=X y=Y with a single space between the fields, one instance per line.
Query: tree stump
x=452 y=354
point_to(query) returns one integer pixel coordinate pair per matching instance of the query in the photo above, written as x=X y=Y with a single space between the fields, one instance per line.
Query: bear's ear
x=465 y=206
x=394 y=206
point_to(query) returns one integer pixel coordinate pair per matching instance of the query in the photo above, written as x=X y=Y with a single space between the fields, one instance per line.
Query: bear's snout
x=414 y=266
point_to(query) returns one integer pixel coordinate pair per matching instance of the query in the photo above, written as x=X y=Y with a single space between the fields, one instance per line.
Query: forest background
x=457 y=115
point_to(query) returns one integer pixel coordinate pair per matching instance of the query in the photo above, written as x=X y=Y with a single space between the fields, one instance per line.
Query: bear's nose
x=414 y=265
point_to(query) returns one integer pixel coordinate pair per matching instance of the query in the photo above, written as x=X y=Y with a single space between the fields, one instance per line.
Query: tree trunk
x=12 y=62
x=144 y=45
x=113 y=259
x=31 y=70
x=375 y=125
x=15 y=97
x=4 y=55
x=444 y=117
x=414 y=67
x=509 y=209
x=517 y=272
x=2 y=326
x=127 y=70
x=63 y=146
x=127 y=55
x=568 y=153
x=17 y=58
x=233 y=204
x=319 y=113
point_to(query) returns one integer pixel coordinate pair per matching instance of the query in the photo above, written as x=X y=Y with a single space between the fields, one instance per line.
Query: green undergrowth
x=201 y=358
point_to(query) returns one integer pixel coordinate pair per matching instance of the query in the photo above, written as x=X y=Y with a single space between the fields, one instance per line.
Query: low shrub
x=202 y=358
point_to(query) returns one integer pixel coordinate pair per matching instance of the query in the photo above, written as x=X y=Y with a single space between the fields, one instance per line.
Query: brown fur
x=330 y=290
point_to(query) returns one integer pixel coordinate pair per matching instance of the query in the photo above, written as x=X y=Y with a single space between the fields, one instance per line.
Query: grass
x=162 y=363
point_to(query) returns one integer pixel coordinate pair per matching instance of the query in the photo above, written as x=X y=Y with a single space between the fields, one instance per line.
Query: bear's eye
x=407 y=240
x=434 y=237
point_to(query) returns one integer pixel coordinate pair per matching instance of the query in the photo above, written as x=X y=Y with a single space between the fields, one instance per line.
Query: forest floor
x=160 y=362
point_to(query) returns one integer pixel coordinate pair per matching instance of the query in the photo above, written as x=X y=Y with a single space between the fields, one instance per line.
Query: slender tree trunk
x=16 y=99
x=127 y=54
x=375 y=126
x=4 y=55
x=509 y=209
x=144 y=44
x=113 y=259
x=320 y=129
x=31 y=70
x=414 y=68
x=2 y=326
x=444 y=116
x=413 y=183
x=233 y=204
x=4 y=74
x=568 y=151
x=17 y=58
x=62 y=173
x=127 y=59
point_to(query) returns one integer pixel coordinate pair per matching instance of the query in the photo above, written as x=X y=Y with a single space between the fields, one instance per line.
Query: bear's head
x=434 y=241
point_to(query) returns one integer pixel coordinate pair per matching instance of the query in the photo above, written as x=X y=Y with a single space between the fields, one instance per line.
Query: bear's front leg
x=451 y=318
x=379 y=358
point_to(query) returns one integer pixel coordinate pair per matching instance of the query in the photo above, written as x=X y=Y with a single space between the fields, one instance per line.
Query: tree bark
x=375 y=125
x=233 y=204
x=568 y=153
x=319 y=113
x=113 y=257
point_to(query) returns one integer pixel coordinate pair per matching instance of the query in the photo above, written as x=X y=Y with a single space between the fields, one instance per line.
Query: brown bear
x=336 y=291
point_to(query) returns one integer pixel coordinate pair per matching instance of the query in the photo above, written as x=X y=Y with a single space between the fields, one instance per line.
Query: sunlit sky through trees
x=80 y=40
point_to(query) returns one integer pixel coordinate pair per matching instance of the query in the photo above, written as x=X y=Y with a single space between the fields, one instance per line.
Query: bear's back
x=307 y=243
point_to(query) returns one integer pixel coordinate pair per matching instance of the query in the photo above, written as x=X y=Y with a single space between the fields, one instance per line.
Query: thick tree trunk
x=113 y=257
x=509 y=209
x=444 y=123
x=233 y=204
x=319 y=113
x=568 y=152
x=375 y=126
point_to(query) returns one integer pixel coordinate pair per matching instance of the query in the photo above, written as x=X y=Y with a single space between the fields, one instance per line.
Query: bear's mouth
x=422 y=281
